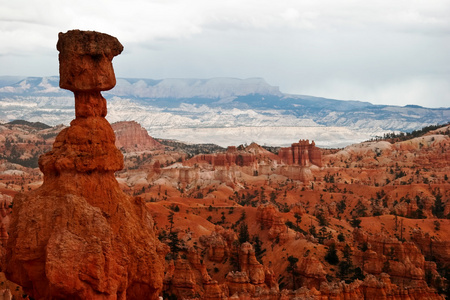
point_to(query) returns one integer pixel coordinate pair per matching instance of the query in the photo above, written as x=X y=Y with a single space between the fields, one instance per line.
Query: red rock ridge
x=232 y=157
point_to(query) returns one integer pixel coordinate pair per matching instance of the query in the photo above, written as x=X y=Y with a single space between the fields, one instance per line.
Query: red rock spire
x=79 y=236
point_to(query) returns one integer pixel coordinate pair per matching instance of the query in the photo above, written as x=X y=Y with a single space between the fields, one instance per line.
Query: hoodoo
x=79 y=236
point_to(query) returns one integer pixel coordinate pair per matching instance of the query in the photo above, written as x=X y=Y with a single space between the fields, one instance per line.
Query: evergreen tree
x=234 y=256
x=438 y=207
x=386 y=267
x=174 y=243
x=322 y=219
x=298 y=220
x=312 y=230
x=243 y=235
x=223 y=218
x=358 y=274
x=259 y=251
x=291 y=269
x=346 y=265
x=331 y=257
x=170 y=218
x=355 y=222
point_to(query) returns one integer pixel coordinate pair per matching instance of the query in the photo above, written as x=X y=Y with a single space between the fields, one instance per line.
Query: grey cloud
x=369 y=50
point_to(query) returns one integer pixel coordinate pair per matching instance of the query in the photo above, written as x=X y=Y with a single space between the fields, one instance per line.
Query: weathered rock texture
x=254 y=280
x=5 y=213
x=269 y=218
x=432 y=247
x=79 y=236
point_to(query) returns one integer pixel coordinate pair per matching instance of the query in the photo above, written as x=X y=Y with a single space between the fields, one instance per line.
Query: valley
x=242 y=222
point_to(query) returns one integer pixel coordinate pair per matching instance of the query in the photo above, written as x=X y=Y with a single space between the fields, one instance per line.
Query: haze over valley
x=223 y=111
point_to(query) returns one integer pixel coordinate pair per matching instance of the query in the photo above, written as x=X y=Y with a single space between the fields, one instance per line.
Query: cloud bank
x=394 y=52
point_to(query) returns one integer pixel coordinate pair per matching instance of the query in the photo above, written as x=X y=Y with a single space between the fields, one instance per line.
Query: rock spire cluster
x=79 y=236
x=302 y=153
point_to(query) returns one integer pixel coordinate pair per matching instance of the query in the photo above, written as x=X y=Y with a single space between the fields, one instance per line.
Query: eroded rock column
x=79 y=236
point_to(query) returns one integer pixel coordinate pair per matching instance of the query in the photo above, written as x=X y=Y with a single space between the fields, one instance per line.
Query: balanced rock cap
x=85 y=60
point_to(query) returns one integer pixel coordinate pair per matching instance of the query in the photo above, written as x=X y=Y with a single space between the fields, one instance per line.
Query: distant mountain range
x=224 y=111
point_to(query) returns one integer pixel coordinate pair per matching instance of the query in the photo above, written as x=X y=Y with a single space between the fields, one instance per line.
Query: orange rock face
x=79 y=236
x=232 y=157
x=432 y=247
x=311 y=272
x=269 y=218
x=218 y=243
x=5 y=212
x=239 y=283
x=254 y=280
x=371 y=288
x=85 y=60
x=302 y=153
x=250 y=265
x=217 y=247
x=183 y=281
x=132 y=137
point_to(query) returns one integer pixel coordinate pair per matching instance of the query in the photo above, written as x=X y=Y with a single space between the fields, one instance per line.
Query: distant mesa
x=182 y=88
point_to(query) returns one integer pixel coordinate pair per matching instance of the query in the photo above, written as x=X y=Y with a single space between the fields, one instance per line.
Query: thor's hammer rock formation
x=79 y=236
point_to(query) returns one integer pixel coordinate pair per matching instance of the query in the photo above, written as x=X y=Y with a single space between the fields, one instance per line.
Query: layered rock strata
x=232 y=157
x=79 y=236
x=132 y=137
x=302 y=153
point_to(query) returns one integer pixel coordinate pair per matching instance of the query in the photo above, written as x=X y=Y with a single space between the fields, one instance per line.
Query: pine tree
x=298 y=220
x=438 y=207
x=170 y=218
x=243 y=233
x=331 y=257
x=259 y=251
x=291 y=269
x=174 y=243
x=346 y=265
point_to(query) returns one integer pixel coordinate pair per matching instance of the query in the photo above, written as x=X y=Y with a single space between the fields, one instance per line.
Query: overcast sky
x=381 y=51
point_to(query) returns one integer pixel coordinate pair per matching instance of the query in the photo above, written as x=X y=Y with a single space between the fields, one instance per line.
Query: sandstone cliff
x=132 y=137
x=302 y=153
